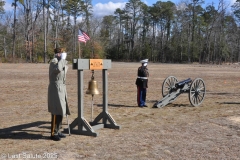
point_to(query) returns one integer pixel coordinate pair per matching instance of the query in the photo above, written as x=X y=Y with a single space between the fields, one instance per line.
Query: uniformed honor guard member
x=57 y=94
x=142 y=83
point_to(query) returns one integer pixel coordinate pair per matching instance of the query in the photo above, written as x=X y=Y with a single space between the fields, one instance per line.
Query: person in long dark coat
x=142 y=83
x=57 y=93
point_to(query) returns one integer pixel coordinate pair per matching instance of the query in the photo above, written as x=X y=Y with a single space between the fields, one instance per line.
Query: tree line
x=163 y=32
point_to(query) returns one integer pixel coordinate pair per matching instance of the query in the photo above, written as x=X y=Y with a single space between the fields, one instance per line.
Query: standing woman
x=57 y=94
x=142 y=83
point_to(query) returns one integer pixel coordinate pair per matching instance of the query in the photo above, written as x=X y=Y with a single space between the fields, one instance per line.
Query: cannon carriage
x=172 y=88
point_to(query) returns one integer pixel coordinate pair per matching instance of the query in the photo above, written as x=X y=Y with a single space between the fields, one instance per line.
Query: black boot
x=55 y=138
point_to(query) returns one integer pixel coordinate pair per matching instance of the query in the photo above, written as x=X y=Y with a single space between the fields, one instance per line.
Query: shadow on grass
x=180 y=105
x=117 y=105
x=23 y=132
x=222 y=93
x=228 y=102
x=149 y=101
x=170 y=104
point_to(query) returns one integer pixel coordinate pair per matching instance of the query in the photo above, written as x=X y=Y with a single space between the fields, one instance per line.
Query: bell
x=92 y=87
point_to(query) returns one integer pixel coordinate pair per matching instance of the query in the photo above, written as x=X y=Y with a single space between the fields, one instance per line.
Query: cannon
x=171 y=89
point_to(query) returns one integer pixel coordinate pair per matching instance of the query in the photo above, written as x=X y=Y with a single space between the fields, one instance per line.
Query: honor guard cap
x=144 y=61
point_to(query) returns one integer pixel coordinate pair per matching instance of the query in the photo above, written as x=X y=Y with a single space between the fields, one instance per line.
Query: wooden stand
x=84 y=127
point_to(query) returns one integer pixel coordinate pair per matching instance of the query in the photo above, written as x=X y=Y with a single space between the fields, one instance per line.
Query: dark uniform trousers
x=141 y=96
x=56 y=124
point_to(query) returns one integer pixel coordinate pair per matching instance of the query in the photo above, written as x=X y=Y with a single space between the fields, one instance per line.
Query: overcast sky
x=106 y=7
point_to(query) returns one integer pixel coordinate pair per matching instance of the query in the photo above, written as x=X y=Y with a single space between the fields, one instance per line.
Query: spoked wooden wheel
x=168 y=85
x=197 y=92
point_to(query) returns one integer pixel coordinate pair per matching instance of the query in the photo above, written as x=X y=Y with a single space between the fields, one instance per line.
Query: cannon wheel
x=197 y=92
x=168 y=85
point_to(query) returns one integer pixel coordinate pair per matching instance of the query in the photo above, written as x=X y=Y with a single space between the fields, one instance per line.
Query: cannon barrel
x=182 y=83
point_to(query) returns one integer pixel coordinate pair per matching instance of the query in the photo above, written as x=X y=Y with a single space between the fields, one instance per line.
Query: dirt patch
x=235 y=119
x=177 y=131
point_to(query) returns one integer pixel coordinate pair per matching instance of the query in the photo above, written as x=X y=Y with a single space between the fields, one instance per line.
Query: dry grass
x=177 y=131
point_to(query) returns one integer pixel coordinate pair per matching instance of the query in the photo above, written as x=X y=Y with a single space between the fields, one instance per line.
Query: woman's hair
x=58 y=50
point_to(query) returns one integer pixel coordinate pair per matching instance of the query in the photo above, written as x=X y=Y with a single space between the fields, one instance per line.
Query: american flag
x=82 y=36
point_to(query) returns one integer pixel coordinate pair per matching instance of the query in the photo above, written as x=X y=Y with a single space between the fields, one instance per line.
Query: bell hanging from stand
x=92 y=86
x=92 y=89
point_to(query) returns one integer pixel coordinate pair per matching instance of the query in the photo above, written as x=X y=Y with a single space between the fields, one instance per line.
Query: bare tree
x=14 y=4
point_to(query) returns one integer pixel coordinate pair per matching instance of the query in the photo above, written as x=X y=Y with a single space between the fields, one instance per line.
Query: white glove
x=63 y=55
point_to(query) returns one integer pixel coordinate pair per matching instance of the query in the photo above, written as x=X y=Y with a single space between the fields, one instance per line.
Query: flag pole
x=79 y=50
x=79 y=47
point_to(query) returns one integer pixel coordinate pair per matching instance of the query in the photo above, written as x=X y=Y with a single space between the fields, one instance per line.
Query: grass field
x=176 y=131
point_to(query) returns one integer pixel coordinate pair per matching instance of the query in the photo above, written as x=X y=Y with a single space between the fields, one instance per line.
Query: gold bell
x=92 y=87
